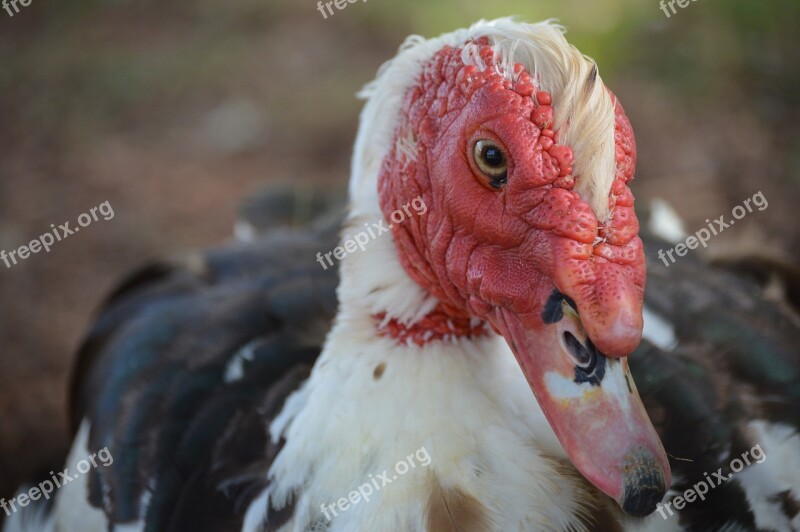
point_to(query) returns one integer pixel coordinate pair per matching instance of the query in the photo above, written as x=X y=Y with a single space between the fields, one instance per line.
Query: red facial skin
x=436 y=325
x=478 y=248
x=499 y=254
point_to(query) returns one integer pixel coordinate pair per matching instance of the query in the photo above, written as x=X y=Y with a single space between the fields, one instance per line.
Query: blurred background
x=176 y=111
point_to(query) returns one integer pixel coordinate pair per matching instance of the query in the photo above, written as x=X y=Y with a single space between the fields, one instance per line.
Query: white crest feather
x=584 y=111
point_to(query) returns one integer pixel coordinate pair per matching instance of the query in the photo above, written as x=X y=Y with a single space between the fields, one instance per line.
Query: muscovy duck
x=479 y=337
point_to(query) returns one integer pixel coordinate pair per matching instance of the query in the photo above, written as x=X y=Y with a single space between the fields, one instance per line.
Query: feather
x=452 y=510
x=151 y=376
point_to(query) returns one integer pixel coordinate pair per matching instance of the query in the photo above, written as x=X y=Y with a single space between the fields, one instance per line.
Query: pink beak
x=591 y=403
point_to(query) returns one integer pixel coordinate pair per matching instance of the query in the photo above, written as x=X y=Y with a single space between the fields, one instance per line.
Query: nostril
x=585 y=356
x=643 y=484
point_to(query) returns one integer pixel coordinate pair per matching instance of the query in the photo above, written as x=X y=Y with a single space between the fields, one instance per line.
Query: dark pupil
x=493 y=156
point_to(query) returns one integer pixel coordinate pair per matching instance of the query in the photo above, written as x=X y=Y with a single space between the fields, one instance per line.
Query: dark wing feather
x=736 y=361
x=156 y=377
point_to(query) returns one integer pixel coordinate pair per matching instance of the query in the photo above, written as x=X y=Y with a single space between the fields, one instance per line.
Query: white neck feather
x=373 y=281
x=370 y=403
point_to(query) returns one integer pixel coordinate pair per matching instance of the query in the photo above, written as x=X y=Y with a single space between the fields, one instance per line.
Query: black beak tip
x=644 y=484
x=642 y=501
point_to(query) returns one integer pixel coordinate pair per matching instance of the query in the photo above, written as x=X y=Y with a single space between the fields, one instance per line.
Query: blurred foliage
x=77 y=46
x=736 y=43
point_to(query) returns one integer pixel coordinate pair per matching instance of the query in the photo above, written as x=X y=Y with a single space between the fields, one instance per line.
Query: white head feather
x=584 y=112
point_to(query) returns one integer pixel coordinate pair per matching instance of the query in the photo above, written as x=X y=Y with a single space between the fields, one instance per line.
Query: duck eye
x=491 y=161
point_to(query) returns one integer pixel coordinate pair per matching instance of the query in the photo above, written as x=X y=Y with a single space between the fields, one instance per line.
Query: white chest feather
x=406 y=427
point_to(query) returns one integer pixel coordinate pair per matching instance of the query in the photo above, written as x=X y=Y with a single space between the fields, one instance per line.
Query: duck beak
x=591 y=402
